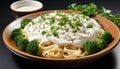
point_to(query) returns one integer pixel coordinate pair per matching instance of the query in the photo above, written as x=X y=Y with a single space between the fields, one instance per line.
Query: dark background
x=8 y=60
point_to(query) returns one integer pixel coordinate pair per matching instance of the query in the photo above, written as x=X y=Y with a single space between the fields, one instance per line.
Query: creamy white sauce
x=64 y=37
x=27 y=8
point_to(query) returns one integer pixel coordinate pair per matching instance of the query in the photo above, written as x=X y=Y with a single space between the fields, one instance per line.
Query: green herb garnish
x=66 y=29
x=64 y=18
x=52 y=20
x=55 y=33
x=43 y=15
x=44 y=32
x=53 y=30
x=78 y=24
x=91 y=9
x=70 y=23
x=86 y=9
x=61 y=23
x=89 y=26
x=74 y=31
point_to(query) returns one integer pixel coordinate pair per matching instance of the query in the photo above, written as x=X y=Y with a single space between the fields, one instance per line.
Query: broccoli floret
x=18 y=38
x=101 y=43
x=91 y=47
x=22 y=44
x=15 y=32
x=32 y=47
x=25 y=22
x=106 y=36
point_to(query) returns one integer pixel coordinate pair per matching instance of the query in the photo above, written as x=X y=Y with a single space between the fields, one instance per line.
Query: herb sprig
x=92 y=10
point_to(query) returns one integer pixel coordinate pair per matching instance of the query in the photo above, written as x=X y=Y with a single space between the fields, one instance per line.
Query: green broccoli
x=101 y=43
x=106 y=36
x=15 y=32
x=22 y=44
x=18 y=38
x=25 y=22
x=91 y=47
x=32 y=47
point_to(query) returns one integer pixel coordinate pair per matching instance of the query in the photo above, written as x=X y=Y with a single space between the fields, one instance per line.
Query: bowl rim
x=19 y=52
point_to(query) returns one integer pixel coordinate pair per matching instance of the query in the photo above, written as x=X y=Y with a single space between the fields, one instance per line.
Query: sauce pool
x=27 y=8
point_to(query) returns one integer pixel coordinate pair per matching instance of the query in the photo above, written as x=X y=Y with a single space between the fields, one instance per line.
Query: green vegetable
x=74 y=7
x=89 y=26
x=32 y=47
x=55 y=33
x=106 y=36
x=107 y=14
x=61 y=23
x=64 y=18
x=43 y=15
x=74 y=31
x=52 y=20
x=87 y=9
x=91 y=47
x=54 y=30
x=25 y=22
x=15 y=32
x=78 y=24
x=66 y=29
x=91 y=9
x=18 y=38
x=44 y=32
x=101 y=43
x=22 y=44
x=70 y=23
x=116 y=19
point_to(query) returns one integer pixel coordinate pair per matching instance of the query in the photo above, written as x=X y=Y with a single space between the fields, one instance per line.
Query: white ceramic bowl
x=24 y=7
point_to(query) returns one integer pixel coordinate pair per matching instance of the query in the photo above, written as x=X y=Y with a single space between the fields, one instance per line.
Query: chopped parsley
x=89 y=26
x=78 y=24
x=55 y=33
x=64 y=18
x=61 y=23
x=74 y=31
x=92 y=10
x=44 y=32
x=71 y=25
x=52 y=20
x=53 y=30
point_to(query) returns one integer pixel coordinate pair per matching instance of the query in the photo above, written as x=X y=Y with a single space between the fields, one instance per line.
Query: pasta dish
x=62 y=35
x=59 y=34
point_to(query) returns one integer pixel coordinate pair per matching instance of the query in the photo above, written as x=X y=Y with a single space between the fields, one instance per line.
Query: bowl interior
x=106 y=24
x=26 y=6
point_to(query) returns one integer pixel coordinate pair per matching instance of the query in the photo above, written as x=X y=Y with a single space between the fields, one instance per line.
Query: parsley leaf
x=91 y=9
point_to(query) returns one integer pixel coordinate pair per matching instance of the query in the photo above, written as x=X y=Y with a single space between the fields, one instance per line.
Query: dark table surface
x=8 y=60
